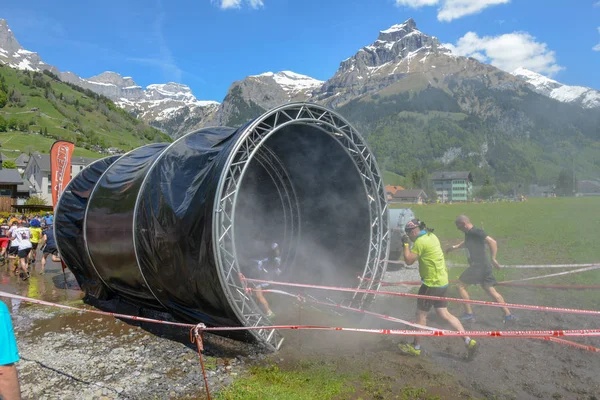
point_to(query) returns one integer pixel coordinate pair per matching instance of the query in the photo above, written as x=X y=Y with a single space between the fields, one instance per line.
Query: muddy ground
x=70 y=355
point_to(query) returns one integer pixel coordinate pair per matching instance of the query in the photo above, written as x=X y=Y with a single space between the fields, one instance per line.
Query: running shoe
x=467 y=318
x=409 y=349
x=472 y=349
x=271 y=314
x=510 y=319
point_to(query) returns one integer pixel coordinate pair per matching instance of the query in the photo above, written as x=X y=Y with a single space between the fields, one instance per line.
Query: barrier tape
x=511 y=284
x=503 y=334
x=419 y=296
x=336 y=305
x=523 y=266
x=552 y=275
x=110 y=314
x=393 y=319
x=573 y=344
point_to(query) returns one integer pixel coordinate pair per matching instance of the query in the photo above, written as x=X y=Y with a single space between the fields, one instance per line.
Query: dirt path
x=71 y=356
x=503 y=369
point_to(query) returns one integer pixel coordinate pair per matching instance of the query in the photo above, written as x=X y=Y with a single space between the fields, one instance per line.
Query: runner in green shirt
x=434 y=277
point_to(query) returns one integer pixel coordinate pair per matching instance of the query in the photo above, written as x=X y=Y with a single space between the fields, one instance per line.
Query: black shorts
x=24 y=253
x=479 y=275
x=34 y=246
x=13 y=250
x=51 y=250
x=425 y=304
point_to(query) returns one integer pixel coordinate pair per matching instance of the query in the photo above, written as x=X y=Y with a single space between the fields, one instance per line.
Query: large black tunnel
x=174 y=226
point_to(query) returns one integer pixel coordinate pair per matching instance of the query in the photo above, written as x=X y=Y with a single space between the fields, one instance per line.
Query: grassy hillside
x=516 y=136
x=38 y=109
x=14 y=143
x=390 y=178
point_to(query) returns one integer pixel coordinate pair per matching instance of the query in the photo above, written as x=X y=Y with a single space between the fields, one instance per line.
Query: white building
x=37 y=173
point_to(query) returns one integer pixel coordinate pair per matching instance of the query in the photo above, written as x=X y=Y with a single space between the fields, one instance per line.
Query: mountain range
x=420 y=106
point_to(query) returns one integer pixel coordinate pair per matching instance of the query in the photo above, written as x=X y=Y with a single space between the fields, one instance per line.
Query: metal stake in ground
x=196 y=336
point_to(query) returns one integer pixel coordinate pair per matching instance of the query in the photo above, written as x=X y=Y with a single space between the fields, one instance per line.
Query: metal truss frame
x=250 y=144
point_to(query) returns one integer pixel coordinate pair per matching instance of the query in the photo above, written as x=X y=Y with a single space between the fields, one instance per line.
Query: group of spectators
x=20 y=237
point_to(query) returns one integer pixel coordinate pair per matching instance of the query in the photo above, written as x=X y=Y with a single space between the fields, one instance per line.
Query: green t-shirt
x=432 y=266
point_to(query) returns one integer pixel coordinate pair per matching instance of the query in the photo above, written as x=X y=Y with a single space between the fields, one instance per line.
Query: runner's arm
x=493 y=250
x=409 y=256
x=457 y=246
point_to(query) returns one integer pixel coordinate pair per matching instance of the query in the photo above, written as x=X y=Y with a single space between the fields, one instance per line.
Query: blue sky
x=208 y=44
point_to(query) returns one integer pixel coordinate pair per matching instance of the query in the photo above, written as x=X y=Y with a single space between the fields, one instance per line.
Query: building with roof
x=414 y=196
x=37 y=173
x=21 y=162
x=390 y=190
x=453 y=186
x=10 y=179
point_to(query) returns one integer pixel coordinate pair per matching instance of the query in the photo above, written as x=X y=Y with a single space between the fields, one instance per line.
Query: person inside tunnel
x=266 y=268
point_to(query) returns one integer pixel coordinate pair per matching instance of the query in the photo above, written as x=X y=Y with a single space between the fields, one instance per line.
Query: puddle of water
x=48 y=287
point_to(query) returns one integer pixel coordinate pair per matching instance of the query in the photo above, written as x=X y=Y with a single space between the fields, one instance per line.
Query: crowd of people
x=21 y=236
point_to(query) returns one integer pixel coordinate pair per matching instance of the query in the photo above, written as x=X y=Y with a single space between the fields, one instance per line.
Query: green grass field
x=537 y=231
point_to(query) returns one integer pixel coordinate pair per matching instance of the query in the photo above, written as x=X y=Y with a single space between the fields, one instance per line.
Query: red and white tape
x=398 y=332
x=553 y=275
x=418 y=296
x=393 y=319
x=358 y=310
x=522 y=266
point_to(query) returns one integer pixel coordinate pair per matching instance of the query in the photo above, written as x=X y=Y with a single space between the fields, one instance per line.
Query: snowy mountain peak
x=543 y=85
x=171 y=90
x=15 y=56
x=292 y=82
x=586 y=97
x=396 y=32
x=113 y=78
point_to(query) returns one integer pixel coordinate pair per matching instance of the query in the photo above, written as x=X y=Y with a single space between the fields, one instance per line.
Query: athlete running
x=49 y=247
x=434 y=276
x=22 y=237
x=480 y=266
x=266 y=269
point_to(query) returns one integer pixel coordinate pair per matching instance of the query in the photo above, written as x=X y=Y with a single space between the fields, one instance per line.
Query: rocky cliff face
x=15 y=56
x=258 y=93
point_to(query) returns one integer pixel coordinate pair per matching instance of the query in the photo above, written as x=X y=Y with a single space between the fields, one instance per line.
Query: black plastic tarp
x=156 y=226
x=68 y=225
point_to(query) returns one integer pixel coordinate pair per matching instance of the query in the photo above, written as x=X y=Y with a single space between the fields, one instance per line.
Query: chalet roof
x=22 y=160
x=392 y=188
x=452 y=175
x=413 y=193
x=24 y=187
x=10 y=177
x=43 y=160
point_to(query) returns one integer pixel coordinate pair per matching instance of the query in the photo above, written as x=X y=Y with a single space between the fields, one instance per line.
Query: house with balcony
x=453 y=186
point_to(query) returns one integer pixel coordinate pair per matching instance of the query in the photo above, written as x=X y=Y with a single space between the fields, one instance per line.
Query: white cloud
x=453 y=9
x=230 y=4
x=597 y=47
x=508 y=52
x=416 y=3
x=227 y=4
